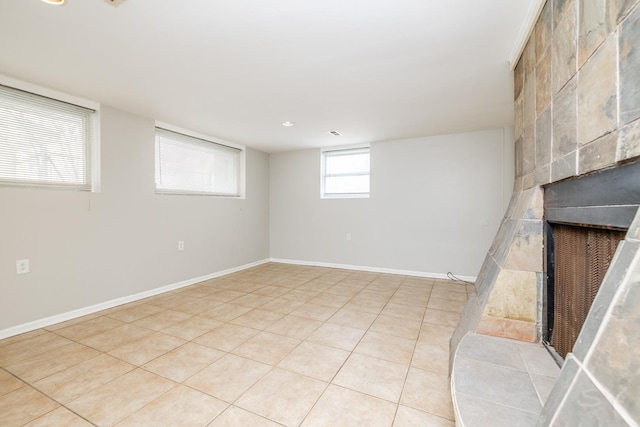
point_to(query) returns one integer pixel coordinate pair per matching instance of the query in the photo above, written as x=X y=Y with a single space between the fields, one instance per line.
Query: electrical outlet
x=181 y=245
x=22 y=266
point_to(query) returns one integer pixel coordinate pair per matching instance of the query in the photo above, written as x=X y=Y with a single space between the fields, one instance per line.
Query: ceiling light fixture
x=335 y=133
x=288 y=124
x=55 y=2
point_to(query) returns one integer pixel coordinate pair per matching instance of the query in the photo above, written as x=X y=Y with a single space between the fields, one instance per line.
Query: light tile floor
x=273 y=345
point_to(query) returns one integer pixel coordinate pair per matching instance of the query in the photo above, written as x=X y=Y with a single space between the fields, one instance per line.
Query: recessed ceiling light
x=335 y=133
x=288 y=123
x=56 y=2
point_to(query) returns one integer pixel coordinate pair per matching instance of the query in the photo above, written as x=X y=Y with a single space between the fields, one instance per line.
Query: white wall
x=89 y=248
x=435 y=206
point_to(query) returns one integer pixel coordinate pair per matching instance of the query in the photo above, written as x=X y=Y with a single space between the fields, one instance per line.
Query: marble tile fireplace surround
x=577 y=114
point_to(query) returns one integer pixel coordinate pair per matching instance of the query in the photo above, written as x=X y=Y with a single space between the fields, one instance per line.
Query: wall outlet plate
x=22 y=266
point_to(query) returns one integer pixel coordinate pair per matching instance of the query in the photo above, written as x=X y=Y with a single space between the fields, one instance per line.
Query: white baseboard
x=373 y=269
x=63 y=317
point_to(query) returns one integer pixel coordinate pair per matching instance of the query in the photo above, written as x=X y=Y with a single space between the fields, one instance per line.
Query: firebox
x=585 y=220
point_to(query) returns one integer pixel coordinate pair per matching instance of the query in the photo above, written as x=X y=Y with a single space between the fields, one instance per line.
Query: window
x=345 y=173
x=44 y=142
x=192 y=165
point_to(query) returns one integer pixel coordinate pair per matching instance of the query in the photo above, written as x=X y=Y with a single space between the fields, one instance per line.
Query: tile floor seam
x=497 y=403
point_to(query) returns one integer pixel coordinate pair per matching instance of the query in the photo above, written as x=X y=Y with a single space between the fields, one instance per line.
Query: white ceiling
x=372 y=69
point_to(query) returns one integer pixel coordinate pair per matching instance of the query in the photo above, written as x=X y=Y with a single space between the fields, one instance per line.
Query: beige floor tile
x=8 y=382
x=235 y=417
x=387 y=347
x=181 y=406
x=403 y=311
x=368 y=306
x=282 y=396
x=184 y=361
x=73 y=382
x=441 y=317
x=74 y=321
x=409 y=417
x=340 y=289
x=438 y=335
x=30 y=347
x=108 y=340
x=315 y=360
x=147 y=348
x=448 y=285
x=431 y=357
x=229 y=294
x=252 y=300
x=89 y=328
x=375 y=377
x=446 y=304
x=162 y=320
x=410 y=299
x=228 y=377
x=450 y=294
x=267 y=348
x=428 y=392
x=116 y=400
x=338 y=336
x=59 y=417
x=27 y=335
x=294 y=327
x=398 y=327
x=315 y=311
x=257 y=319
x=301 y=295
x=226 y=337
x=352 y=318
x=340 y=407
x=192 y=328
x=136 y=312
x=281 y=305
x=331 y=300
x=271 y=291
x=23 y=405
x=51 y=362
x=199 y=306
x=225 y=312
x=172 y=300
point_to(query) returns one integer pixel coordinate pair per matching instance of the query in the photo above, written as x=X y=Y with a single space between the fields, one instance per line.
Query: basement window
x=187 y=163
x=345 y=173
x=45 y=142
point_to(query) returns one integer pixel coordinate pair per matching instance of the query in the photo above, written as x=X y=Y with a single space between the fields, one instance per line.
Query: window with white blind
x=44 y=142
x=190 y=165
x=345 y=173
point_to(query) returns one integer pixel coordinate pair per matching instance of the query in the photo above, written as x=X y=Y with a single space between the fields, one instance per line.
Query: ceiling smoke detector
x=335 y=133
x=115 y=2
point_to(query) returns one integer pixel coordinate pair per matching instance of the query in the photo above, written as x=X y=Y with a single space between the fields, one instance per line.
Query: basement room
x=319 y=213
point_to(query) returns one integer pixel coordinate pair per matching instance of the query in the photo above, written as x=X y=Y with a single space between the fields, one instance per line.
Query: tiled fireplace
x=577 y=114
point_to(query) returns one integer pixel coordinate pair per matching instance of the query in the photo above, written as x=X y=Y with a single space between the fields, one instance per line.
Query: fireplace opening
x=585 y=220
x=582 y=256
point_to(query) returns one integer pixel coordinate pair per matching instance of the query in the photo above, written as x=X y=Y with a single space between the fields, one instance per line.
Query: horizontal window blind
x=189 y=165
x=43 y=141
x=346 y=172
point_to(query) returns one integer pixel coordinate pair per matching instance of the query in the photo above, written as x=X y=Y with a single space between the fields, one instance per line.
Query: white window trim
x=219 y=141
x=322 y=173
x=94 y=145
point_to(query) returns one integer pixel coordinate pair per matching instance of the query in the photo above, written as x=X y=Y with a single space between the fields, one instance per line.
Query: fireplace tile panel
x=598 y=154
x=629 y=142
x=493 y=350
x=563 y=383
x=629 y=70
x=484 y=413
x=565 y=167
x=586 y=405
x=565 y=121
x=612 y=360
x=563 y=45
x=624 y=262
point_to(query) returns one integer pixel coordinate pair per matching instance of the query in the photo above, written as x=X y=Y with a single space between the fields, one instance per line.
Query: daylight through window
x=189 y=165
x=345 y=173
x=44 y=142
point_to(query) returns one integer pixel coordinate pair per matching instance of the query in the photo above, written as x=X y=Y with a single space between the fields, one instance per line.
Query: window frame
x=323 y=175
x=92 y=145
x=202 y=138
